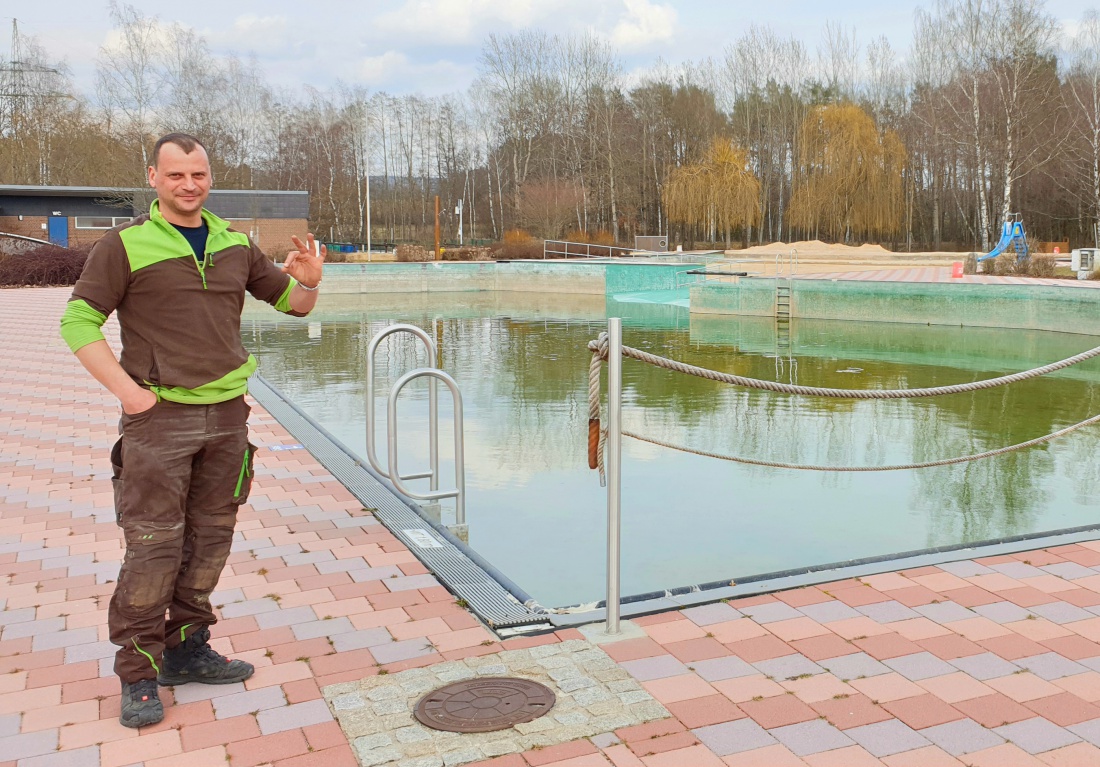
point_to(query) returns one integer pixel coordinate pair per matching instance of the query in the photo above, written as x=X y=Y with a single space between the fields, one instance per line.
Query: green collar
x=214 y=224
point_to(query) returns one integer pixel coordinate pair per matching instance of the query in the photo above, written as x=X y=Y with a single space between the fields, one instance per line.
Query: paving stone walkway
x=984 y=662
x=942 y=274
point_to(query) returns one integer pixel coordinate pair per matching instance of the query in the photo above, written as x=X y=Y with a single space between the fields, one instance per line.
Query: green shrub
x=44 y=265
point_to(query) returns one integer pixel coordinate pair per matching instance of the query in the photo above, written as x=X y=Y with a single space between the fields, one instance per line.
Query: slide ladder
x=1012 y=235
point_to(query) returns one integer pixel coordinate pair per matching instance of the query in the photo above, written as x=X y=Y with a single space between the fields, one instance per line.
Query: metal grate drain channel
x=494 y=599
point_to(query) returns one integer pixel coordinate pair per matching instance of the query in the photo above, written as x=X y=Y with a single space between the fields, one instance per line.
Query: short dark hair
x=184 y=141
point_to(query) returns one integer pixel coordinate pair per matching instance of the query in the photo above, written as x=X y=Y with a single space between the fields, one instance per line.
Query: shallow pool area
x=538 y=513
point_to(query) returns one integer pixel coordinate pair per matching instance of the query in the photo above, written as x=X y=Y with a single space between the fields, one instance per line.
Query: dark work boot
x=193 y=660
x=140 y=704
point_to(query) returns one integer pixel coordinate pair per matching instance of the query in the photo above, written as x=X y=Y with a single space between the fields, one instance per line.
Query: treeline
x=994 y=110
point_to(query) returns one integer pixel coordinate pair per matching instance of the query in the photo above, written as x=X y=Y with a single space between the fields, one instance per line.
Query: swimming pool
x=538 y=513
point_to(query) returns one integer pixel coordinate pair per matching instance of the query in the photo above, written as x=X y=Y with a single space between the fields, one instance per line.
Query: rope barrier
x=599 y=349
x=897 y=467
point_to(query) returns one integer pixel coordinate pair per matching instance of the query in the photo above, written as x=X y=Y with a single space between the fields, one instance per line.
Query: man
x=183 y=465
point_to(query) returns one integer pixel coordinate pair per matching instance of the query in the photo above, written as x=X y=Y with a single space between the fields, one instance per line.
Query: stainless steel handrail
x=459 y=493
x=433 y=409
x=573 y=249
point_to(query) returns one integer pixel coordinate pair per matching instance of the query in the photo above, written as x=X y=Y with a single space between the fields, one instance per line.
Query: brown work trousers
x=180 y=474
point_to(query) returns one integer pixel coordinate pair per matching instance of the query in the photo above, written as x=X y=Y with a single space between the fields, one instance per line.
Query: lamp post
x=458 y=212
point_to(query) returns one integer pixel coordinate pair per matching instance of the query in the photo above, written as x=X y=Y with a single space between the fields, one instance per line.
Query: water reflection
x=538 y=513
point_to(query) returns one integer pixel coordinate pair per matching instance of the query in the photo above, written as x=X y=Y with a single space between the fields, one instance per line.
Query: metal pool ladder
x=433 y=373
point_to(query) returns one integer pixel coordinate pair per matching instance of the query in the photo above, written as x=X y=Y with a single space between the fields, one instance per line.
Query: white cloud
x=394 y=69
x=254 y=34
x=645 y=23
x=452 y=22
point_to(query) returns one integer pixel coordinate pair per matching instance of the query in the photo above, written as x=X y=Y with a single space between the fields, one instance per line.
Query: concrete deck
x=985 y=662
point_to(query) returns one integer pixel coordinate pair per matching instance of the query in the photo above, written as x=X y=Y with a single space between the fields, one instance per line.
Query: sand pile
x=817 y=248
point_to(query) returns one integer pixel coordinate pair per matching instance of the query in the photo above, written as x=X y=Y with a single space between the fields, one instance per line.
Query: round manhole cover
x=484 y=705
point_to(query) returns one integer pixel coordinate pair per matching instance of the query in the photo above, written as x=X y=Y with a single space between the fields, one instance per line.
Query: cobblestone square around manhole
x=594 y=696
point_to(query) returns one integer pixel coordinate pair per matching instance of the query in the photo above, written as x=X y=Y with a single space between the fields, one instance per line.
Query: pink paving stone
x=679 y=740
x=887 y=581
x=674 y=631
x=56 y=716
x=703 y=712
x=1077 y=755
x=1012 y=646
x=1064 y=710
x=695 y=756
x=653 y=620
x=1089 y=629
x=760 y=648
x=950 y=646
x=1048 y=584
x=1023 y=687
x=1038 y=629
x=887 y=687
x=746 y=688
x=914 y=629
x=278 y=674
x=914 y=595
x=1002 y=756
x=692 y=650
x=1085 y=686
x=90 y=733
x=994 y=582
x=952 y=688
x=817 y=688
x=677 y=688
x=414 y=629
x=976 y=629
x=923 y=711
x=802 y=597
x=769 y=756
x=207 y=757
x=823 y=647
x=1025 y=596
x=853 y=711
x=122 y=752
x=930 y=756
x=457 y=640
x=620 y=756
x=736 y=630
x=559 y=753
x=994 y=710
x=1073 y=647
x=797 y=628
x=941 y=582
x=884 y=646
x=778 y=711
x=857 y=597
x=853 y=756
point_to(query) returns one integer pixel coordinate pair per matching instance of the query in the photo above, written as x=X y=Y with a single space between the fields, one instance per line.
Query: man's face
x=182 y=181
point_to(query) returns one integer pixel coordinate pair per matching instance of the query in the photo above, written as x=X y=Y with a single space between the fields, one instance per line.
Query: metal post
x=438 y=255
x=614 y=466
x=433 y=406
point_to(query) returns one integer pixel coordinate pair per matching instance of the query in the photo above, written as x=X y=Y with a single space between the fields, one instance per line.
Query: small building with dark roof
x=79 y=215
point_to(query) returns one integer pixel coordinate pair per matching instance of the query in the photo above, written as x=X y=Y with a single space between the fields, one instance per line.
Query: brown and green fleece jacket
x=180 y=318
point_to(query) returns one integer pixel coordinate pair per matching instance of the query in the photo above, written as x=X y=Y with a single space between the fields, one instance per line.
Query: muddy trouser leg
x=221 y=476
x=152 y=465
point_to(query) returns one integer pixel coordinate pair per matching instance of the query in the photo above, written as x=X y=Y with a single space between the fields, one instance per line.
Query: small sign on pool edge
x=422 y=538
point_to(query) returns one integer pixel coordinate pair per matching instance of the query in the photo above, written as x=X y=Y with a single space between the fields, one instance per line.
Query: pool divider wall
x=603 y=278
x=1067 y=309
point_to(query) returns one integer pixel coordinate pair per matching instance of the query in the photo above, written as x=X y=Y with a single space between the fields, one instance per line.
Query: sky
x=432 y=46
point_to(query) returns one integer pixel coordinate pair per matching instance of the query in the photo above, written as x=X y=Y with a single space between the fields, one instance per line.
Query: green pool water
x=537 y=512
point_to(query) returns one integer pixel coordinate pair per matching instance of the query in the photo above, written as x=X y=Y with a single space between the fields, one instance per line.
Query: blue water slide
x=1012 y=235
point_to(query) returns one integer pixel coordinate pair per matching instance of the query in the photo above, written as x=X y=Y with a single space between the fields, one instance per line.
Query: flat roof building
x=79 y=215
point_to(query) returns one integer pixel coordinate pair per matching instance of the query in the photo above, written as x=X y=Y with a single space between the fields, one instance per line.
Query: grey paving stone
x=1037 y=735
x=772 y=612
x=249 y=607
x=944 y=612
x=9 y=725
x=322 y=628
x=734 y=737
x=788 y=666
x=309 y=558
x=92 y=651
x=409 y=582
x=32 y=628
x=886 y=738
x=278 y=551
x=1017 y=570
x=226 y=597
x=888 y=612
x=357 y=640
x=962 y=737
x=22 y=615
x=395 y=651
x=605 y=740
x=657 y=667
x=65 y=639
x=79 y=757
x=827 y=612
x=288 y=617
x=1071 y=571
x=854 y=666
x=919 y=665
x=342 y=566
x=811 y=737
x=28 y=744
x=1061 y=612
x=708 y=615
x=248 y=701
x=386 y=572
x=1050 y=666
x=1092 y=663
x=985 y=666
x=191 y=693
x=1002 y=612
x=717 y=669
x=292 y=716
x=1089 y=731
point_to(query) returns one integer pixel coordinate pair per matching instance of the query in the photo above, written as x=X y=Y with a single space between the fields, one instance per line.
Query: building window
x=100 y=222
